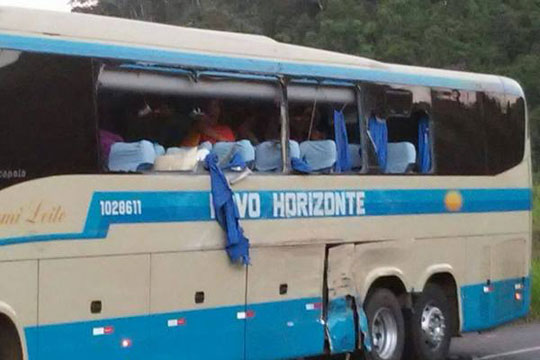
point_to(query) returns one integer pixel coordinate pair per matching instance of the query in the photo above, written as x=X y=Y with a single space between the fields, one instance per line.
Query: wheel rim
x=384 y=332
x=433 y=326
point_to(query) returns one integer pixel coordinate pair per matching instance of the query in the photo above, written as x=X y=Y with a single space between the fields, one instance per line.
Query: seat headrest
x=226 y=150
x=320 y=154
x=399 y=157
x=130 y=156
x=268 y=155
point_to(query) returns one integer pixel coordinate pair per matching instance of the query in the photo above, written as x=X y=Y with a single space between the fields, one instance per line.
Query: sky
x=59 y=5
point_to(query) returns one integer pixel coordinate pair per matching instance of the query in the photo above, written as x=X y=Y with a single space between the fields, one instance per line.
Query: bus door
x=198 y=306
x=284 y=302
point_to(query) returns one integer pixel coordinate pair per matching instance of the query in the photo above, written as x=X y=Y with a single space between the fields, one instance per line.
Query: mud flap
x=340 y=320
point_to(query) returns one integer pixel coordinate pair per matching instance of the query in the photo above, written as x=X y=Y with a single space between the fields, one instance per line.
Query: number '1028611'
x=120 y=207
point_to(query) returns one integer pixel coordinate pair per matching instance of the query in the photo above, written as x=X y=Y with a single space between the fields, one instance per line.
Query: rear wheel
x=429 y=326
x=386 y=325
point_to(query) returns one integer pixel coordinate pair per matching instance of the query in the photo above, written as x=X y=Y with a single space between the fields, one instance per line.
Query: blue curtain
x=300 y=166
x=379 y=134
x=424 y=148
x=343 y=162
x=227 y=213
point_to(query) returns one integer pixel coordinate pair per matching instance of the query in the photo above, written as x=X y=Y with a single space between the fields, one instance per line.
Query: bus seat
x=206 y=145
x=268 y=155
x=131 y=156
x=226 y=150
x=179 y=159
x=401 y=157
x=355 y=156
x=159 y=149
x=320 y=155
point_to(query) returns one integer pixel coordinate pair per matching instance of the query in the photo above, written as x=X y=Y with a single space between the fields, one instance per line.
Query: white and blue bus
x=170 y=192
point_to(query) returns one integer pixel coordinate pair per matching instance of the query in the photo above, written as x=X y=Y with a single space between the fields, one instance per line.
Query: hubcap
x=433 y=326
x=384 y=332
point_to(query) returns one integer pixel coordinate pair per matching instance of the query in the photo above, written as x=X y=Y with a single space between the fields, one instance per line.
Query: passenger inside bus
x=306 y=124
x=161 y=133
x=134 y=128
x=208 y=125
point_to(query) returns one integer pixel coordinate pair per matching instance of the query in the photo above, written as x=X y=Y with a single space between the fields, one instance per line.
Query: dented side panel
x=340 y=323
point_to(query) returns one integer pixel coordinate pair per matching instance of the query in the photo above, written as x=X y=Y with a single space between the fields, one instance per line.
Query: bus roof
x=130 y=40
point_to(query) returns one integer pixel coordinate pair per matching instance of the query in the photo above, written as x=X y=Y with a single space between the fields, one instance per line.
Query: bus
x=170 y=192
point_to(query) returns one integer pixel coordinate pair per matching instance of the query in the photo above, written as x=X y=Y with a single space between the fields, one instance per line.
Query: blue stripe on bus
x=228 y=63
x=281 y=329
x=189 y=206
x=487 y=309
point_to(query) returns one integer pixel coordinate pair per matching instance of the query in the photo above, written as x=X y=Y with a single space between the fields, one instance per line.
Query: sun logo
x=453 y=201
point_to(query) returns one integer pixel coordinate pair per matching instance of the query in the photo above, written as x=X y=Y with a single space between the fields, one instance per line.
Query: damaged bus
x=170 y=192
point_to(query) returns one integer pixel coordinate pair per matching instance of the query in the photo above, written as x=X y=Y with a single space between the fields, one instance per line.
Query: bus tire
x=386 y=325
x=429 y=326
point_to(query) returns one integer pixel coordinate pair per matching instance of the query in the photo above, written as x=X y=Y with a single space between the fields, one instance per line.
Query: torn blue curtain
x=300 y=166
x=343 y=162
x=379 y=134
x=236 y=163
x=227 y=213
x=424 y=148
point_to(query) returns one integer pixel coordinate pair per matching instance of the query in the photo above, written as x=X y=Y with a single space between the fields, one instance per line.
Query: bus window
x=505 y=129
x=48 y=118
x=168 y=128
x=325 y=130
x=398 y=126
x=459 y=133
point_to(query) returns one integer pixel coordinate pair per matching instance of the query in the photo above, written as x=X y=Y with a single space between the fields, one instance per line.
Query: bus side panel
x=68 y=328
x=498 y=278
x=196 y=299
x=284 y=302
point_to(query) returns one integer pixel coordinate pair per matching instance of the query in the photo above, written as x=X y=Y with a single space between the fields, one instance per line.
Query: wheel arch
x=390 y=278
x=8 y=318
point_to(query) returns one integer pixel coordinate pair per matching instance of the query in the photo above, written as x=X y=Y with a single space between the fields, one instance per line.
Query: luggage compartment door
x=198 y=302
x=284 y=302
x=94 y=308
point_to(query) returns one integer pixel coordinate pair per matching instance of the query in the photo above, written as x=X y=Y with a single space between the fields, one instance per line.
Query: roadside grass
x=535 y=303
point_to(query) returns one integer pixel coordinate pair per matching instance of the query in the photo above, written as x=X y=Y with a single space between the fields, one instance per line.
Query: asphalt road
x=520 y=342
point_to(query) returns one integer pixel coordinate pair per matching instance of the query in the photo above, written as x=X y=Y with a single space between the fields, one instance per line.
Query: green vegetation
x=495 y=36
x=535 y=305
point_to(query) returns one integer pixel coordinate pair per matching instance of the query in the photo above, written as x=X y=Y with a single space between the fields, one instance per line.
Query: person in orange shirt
x=207 y=126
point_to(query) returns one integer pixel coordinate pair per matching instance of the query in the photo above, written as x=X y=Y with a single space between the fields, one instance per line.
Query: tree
x=496 y=36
